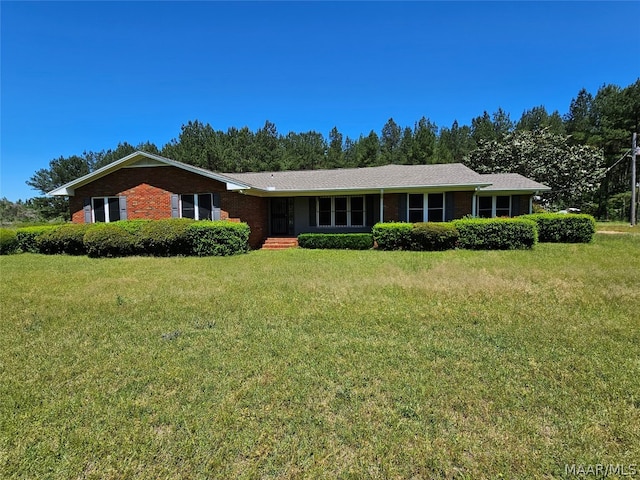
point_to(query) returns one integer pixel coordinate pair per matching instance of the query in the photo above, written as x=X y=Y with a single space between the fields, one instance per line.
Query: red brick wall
x=392 y=207
x=462 y=204
x=148 y=191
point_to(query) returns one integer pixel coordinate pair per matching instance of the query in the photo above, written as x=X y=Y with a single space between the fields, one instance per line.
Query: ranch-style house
x=287 y=203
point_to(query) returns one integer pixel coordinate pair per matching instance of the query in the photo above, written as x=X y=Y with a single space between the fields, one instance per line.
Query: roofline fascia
x=68 y=189
x=261 y=192
x=511 y=191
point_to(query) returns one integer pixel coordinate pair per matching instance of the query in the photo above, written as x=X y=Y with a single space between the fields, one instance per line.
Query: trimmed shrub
x=219 y=238
x=496 y=233
x=164 y=238
x=27 y=237
x=392 y=235
x=564 y=228
x=434 y=236
x=342 y=241
x=63 y=239
x=8 y=241
x=132 y=226
x=109 y=240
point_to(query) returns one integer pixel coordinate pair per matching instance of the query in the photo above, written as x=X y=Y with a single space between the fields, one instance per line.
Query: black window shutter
x=312 y=211
x=175 y=206
x=87 y=210
x=370 y=206
x=448 y=206
x=402 y=207
x=123 y=207
x=515 y=205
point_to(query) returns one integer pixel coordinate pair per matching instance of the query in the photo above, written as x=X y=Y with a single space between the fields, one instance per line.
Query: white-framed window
x=198 y=206
x=485 y=207
x=503 y=206
x=495 y=206
x=340 y=211
x=425 y=207
x=107 y=209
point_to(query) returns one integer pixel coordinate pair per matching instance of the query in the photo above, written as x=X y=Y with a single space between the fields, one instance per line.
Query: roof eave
x=274 y=192
x=513 y=191
x=69 y=188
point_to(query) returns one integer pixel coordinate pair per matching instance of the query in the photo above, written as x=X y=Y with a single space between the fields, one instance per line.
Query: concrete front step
x=279 y=243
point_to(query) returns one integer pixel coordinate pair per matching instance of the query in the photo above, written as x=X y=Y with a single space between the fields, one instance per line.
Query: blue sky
x=80 y=76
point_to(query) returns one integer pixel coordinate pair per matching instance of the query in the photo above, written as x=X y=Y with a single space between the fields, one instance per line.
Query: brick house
x=147 y=186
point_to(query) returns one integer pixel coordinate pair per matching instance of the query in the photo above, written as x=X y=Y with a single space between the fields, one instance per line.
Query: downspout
x=531 y=203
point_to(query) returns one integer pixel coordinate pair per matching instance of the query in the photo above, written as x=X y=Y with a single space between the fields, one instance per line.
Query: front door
x=280 y=216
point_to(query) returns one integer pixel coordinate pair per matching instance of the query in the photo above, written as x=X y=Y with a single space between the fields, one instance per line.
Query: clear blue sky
x=82 y=76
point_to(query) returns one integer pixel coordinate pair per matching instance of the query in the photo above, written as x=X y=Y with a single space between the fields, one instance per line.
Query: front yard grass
x=322 y=364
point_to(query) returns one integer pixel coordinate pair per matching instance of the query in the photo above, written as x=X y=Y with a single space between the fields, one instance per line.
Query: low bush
x=218 y=238
x=392 y=235
x=564 y=228
x=341 y=241
x=109 y=240
x=415 y=236
x=496 y=233
x=132 y=226
x=433 y=236
x=27 y=237
x=63 y=239
x=164 y=238
x=8 y=241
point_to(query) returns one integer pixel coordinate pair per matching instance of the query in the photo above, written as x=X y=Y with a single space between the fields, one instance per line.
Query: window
x=503 y=206
x=324 y=211
x=498 y=206
x=106 y=209
x=435 y=207
x=416 y=207
x=340 y=211
x=485 y=207
x=196 y=206
x=357 y=211
x=427 y=207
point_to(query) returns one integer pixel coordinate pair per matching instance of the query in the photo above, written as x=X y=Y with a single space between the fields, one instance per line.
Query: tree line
x=571 y=153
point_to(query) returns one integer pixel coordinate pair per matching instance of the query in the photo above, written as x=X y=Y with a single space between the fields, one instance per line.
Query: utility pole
x=633 y=179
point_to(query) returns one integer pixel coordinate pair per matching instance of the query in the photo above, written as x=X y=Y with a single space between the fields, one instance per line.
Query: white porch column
x=474 y=201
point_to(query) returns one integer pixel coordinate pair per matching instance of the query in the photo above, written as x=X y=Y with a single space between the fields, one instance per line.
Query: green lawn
x=322 y=364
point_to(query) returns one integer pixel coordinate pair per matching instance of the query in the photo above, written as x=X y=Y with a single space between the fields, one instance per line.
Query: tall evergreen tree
x=335 y=152
x=390 y=142
x=579 y=121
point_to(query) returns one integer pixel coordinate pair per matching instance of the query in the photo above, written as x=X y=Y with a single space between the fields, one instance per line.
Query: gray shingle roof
x=511 y=181
x=384 y=177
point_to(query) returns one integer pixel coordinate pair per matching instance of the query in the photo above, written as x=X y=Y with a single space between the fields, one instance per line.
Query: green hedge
x=27 y=237
x=137 y=237
x=63 y=239
x=415 y=236
x=109 y=240
x=219 y=238
x=342 y=241
x=496 y=233
x=8 y=241
x=564 y=228
x=392 y=235
x=132 y=226
x=164 y=238
x=433 y=236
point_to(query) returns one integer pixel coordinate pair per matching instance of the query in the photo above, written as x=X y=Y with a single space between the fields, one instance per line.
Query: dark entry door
x=280 y=216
